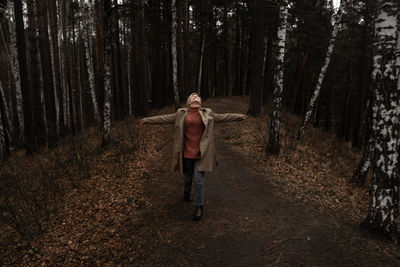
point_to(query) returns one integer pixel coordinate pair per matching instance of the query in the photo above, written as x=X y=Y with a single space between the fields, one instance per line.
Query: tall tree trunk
x=23 y=71
x=90 y=68
x=48 y=86
x=273 y=146
x=297 y=80
x=4 y=116
x=4 y=152
x=117 y=64
x=201 y=65
x=174 y=55
x=185 y=66
x=257 y=57
x=56 y=63
x=16 y=73
x=107 y=72
x=383 y=209
x=226 y=47
x=321 y=77
x=7 y=114
x=99 y=22
x=38 y=120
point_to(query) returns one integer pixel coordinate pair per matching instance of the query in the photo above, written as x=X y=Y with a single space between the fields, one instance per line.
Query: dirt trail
x=246 y=223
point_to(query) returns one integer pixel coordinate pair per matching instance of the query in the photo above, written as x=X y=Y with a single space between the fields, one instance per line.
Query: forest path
x=245 y=222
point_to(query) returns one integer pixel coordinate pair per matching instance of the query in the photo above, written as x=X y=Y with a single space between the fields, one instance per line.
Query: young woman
x=194 y=149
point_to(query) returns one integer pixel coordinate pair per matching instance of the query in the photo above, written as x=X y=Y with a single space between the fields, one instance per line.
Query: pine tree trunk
x=297 y=80
x=257 y=57
x=56 y=63
x=23 y=71
x=38 y=121
x=273 y=146
x=48 y=85
x=383 y=210
x=174 y=55
x=321 y=77
x=201 y=65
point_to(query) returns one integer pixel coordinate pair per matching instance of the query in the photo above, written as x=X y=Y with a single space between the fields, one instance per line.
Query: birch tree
x=3 y=147
x=15 y=65
x=321 y=76
x=6 y=111
x=174 y=54
x=23 y=71
x=90 y=68
x=107 y=72
x=383 y=209
x=273 y=146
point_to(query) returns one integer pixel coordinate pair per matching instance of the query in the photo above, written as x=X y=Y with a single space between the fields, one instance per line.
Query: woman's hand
x=244 y=117
x=141 y=122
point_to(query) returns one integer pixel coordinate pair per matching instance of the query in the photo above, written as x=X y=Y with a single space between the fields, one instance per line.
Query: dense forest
x=69 y=65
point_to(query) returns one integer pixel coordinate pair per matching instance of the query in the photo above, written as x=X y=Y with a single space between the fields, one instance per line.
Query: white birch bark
x=383 y=210
x=321 y=76
x=42 y=100
x=7 y=113
x=15 y=65
x=3 y=152
x=129 y=81
x=107 y=80
x=201 y=66
x=273 y=146
x=91 y=76
x=174 y=53
x=80 y=85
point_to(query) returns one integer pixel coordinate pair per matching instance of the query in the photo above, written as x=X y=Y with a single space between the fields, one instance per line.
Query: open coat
x=207 y=146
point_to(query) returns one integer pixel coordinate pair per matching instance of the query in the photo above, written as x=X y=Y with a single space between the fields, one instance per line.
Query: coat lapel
x=204 y=117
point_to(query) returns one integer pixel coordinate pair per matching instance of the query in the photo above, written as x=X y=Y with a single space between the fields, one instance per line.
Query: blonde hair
x=192 y=94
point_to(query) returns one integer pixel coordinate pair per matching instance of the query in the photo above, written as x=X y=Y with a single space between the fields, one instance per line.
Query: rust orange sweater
x=194 y=129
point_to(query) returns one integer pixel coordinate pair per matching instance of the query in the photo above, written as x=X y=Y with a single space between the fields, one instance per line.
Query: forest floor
x=128 y=209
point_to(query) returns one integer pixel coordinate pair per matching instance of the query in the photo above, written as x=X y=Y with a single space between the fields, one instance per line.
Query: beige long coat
x=207 y=146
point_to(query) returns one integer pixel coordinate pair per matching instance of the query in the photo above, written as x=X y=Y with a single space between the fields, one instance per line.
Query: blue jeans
x=191 y=174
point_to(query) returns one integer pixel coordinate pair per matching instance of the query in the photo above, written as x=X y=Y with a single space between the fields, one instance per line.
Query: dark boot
x=198 y=213
x=186 y=196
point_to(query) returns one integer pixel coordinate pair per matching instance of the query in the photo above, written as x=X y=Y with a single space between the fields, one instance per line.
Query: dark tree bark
x=141 y=81
x=25 y=85
x=56 y=61
x=48 y=85
x=257 y=57
x=38 y=120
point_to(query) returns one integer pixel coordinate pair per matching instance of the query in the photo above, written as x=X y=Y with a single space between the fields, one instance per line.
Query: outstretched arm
x=226 y=117
x=161 y=119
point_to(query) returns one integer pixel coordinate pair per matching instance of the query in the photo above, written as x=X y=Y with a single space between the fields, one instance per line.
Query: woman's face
x=194 y=101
